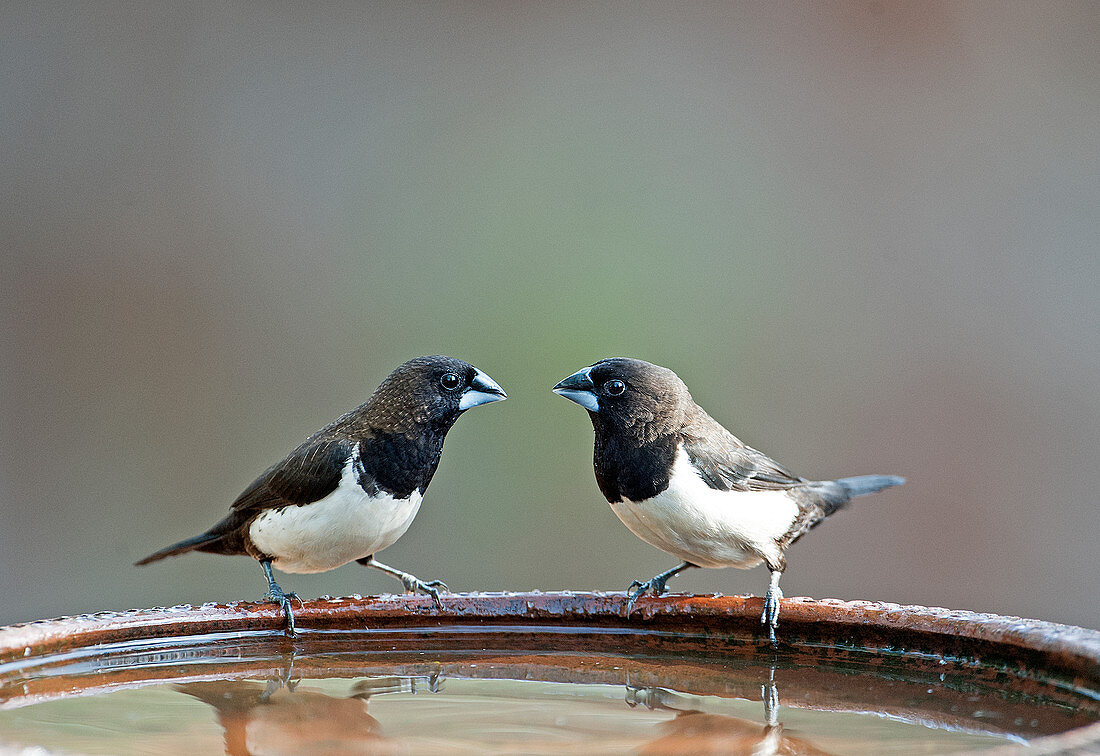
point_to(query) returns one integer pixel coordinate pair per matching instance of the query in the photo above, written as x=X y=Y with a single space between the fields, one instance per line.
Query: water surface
x=477 y=689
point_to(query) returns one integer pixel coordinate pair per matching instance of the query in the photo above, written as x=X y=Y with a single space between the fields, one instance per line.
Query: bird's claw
x=770 y=695
x=435 y=684
x=277 y=596
x=416 y=585
x=282 y=680
x=656 y=586
x=653 y=698
x=770 y=615
x=432 y=591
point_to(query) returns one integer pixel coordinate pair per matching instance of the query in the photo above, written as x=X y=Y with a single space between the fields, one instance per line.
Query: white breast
x=346 y=525
x=710 y=528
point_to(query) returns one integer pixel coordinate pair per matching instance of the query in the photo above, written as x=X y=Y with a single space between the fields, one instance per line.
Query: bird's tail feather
x=861 y=485
x=181 y=548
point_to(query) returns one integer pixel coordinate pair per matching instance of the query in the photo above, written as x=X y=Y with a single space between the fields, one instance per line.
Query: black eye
x=449 y=381
x=615 y=388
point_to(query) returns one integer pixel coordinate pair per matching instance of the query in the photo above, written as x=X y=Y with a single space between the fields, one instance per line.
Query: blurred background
x=864 y=233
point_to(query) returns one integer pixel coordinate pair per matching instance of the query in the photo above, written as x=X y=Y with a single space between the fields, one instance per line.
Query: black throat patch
x=631 y=469
x=398 y=463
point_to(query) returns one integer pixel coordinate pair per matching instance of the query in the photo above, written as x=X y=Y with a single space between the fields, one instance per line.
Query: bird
x=683 y=483
x=352 y=488
x=283 y=717
x=693 y=731
x=258 y=720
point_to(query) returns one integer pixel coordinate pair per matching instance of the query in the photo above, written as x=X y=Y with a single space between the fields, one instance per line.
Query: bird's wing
x=311 y=472
x=727 y=464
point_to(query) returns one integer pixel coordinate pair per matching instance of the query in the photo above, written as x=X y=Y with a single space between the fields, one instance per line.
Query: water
x=477 y=689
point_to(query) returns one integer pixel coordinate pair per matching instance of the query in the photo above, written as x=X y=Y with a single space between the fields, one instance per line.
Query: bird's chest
x=346 y=525
x=399 y=464
x=705 y=526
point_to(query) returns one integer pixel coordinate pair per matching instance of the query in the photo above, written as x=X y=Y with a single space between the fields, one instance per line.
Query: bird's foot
x=652 y=698
x=433 y=682
x=283 y=679
x=770 y=694
x=770 y=616
x=277 y=596
x=638 y=589
x=432 y=588
x=656 y=585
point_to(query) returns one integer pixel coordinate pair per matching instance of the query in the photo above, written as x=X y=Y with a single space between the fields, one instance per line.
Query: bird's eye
x=449 y=381
x=615 y=388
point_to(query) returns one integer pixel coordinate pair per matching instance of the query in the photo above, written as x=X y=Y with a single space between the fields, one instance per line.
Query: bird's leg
x=770 y=694
x=281 y=680
x=656 y=584
x=770 y=617
x=276 y=595
x=655 y=698
x=411 y=582
x=773 y=730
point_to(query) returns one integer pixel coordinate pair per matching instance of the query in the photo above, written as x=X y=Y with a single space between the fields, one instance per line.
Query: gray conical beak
x=482 y=390
x=579 y=388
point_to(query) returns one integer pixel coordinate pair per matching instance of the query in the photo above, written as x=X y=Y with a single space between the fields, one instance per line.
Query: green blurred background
x=864 y=233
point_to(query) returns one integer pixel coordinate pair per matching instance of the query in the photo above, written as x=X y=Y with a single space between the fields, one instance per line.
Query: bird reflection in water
x=278 y=718
x=693 y=731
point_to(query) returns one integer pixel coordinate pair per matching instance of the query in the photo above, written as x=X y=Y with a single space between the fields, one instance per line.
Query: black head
x=631 y=396
x=429 y=391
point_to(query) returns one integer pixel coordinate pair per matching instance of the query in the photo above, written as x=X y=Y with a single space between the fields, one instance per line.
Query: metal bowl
x=1043 y=674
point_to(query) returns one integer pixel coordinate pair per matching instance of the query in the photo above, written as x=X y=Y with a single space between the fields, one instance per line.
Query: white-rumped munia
x=683 y=483
x=352 y=488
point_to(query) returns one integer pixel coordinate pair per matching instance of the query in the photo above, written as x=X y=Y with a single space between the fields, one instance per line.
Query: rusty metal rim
x=804 y=620
x=1072 y=652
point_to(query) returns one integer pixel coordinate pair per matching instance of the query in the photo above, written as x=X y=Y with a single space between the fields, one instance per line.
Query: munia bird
x=683 y=483
x=352 y=488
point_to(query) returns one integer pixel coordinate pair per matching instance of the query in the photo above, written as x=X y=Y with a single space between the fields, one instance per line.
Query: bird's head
x=432 y=390
x=631 y=396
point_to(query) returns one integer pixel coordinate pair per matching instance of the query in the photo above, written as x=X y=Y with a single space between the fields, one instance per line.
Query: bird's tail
x=861 y=485
x=181 y=548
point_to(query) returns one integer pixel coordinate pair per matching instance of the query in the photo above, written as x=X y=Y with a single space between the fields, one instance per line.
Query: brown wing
x=727 y=464
x=310 y=472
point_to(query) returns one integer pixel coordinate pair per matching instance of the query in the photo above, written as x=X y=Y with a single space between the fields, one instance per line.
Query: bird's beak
x=483 y=390
x=579 y=388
